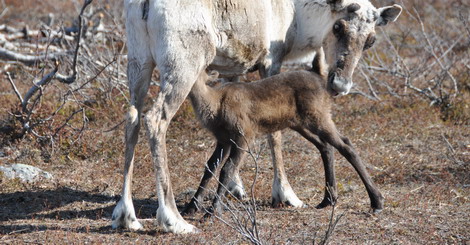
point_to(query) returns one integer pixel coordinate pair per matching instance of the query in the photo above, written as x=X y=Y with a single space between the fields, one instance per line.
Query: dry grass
x=419 y=156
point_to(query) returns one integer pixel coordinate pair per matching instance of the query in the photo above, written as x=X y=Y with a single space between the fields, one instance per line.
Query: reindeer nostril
x=331 y=77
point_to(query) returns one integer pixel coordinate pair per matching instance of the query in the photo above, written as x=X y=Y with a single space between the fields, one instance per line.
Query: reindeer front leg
x=282 y=192
x=139 y=73
x=157 y=121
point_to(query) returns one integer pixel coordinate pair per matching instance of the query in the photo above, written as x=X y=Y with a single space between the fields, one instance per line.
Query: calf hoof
x=208 y=215
x=190 y=209
x=236 y=191
x=325 y=203
x=377 y=210
x=377 y=204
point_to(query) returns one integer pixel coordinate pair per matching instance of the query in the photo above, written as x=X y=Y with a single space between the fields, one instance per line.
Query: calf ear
x=387 y=14
x=213 y=76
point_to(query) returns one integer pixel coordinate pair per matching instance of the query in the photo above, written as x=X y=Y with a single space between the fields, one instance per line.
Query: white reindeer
x=184 y=38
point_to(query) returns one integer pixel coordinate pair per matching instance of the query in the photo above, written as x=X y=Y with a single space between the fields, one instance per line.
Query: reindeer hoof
x=124 y=216
x=173 y=222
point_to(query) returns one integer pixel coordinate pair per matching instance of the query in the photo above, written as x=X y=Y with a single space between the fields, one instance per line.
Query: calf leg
x=343 y=145
x=218 y=156
x=237 y=154
x=235 y=185
x=330 y=196
x=326 y=151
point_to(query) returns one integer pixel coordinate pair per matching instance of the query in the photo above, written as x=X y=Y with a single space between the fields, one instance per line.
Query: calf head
x=350 y=36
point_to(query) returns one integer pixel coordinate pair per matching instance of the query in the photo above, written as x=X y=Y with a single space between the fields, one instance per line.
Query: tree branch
x=18 y=94
x=29 y=60
x=70 y=79
x=45 y=80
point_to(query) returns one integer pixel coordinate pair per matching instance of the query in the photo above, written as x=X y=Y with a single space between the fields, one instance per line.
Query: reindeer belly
x=240 y=28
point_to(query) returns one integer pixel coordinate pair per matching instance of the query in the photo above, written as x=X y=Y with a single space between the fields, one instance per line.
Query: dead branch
x=44 y=81
x=70 y=79
x=438 y=59
x=29 y=60
x=27 y=111
x=4 y=10
x=243 y=217
x=333 y=222
x=18 y=94
x=13 y=33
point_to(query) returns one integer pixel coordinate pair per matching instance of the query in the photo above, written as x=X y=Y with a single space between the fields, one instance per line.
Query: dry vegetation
x=409 y=120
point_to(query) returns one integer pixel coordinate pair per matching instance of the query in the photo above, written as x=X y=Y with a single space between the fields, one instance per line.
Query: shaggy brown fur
x=237 y=112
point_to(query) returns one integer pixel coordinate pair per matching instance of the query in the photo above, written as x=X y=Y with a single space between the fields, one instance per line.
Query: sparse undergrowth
x=418 y=154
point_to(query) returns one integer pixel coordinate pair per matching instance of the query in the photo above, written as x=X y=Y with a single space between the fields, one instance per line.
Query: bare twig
x=66 y=121
x=44 y=81
x=28 y=59
x=431 y=50
x=18 y=94
x=4 y=10
x=243 y=217
x=70 y=79
x=96 y=75
x=371 y=89
x=114 y=127
x=465 y=23
x=448 y=144
x=333 y=221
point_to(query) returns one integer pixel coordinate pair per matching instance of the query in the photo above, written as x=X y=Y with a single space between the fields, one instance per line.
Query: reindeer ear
x=353 y=7
x=335 y=4
x=387 y=14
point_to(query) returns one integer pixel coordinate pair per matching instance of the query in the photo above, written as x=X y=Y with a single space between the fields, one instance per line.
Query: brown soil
x=420 y=162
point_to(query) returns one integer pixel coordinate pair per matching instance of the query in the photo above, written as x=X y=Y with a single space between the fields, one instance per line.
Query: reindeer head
x=350 y=36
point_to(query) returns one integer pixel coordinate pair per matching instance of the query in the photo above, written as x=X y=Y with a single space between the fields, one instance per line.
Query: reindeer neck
x=320 y=19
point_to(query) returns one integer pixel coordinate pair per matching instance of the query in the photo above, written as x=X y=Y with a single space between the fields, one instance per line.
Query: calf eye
x=369 y=42
x=337 y=29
